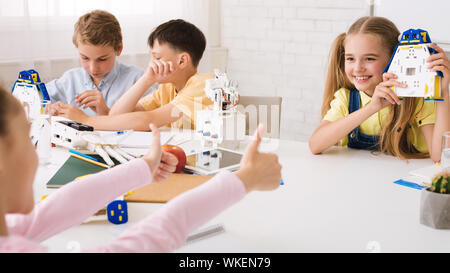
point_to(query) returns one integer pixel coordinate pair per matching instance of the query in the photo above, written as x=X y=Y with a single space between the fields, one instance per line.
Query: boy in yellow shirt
x=176 y=47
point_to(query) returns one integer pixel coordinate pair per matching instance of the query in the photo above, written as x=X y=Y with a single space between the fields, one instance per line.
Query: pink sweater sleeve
x=168 y=228
x=76 y=201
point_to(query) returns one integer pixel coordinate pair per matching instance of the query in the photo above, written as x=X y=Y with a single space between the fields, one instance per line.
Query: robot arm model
x=222 y=91
x=223 y=122
x=75 y=135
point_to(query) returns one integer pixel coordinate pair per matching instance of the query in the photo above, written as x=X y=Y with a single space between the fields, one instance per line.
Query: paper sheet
x=135 y=139
x=426 y=173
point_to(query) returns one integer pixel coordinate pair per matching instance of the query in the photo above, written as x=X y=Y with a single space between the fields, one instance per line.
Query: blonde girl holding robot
x=360 y=109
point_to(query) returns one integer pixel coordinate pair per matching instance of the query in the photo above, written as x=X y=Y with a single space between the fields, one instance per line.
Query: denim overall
x=357 y=139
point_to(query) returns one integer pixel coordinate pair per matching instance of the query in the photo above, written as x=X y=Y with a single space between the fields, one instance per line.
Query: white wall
x=280 y=48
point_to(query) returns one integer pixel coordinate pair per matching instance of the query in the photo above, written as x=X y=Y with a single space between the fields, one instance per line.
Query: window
x=42 y=29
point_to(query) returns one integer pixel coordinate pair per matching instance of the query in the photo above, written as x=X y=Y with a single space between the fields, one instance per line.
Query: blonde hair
x=98 y=27
x=393 y=136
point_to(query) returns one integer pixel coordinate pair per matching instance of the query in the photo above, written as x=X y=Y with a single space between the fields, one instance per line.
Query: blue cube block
x=117 y=212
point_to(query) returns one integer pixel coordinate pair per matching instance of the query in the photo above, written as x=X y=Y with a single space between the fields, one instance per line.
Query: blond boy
x=101 y=80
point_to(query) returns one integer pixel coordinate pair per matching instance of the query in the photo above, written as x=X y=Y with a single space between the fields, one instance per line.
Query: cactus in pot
x=435 y=202
x=441 y=183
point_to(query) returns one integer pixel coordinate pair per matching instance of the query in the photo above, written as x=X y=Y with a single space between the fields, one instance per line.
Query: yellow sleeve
x=193 y=98
x=152 y=101
x=339 y=109
x=425 y=113
x=338 y=106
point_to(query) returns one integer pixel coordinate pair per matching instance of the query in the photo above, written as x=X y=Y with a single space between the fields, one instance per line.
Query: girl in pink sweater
x=23 y=225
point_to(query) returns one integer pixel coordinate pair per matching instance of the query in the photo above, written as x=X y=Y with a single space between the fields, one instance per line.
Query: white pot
x=435 y=209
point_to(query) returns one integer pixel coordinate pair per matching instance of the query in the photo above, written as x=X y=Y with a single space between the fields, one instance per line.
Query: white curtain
x=39 y=32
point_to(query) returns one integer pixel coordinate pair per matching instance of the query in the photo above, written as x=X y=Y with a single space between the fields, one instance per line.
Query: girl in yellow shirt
x=360 y=109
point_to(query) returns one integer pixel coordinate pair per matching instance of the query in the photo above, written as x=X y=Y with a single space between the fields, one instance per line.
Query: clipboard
x=162 y=192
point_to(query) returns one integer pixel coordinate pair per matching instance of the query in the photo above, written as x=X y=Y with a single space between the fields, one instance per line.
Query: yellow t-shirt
x=188 y=100
x=425 y=113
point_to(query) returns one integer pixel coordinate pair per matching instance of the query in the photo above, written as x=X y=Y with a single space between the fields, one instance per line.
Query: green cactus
x=441 y=183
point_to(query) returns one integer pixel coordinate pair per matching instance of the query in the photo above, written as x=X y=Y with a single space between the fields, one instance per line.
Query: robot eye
x=407 y=36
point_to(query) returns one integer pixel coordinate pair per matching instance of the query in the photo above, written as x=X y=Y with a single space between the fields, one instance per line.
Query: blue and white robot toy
x=409 y=63
x=33 y=95
x=29 y=90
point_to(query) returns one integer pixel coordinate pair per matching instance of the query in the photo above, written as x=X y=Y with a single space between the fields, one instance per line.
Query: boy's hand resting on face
x=162 y=164
x=159 y=70
x=259 y=171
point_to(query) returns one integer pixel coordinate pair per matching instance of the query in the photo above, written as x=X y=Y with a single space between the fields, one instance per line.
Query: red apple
x=179 y=153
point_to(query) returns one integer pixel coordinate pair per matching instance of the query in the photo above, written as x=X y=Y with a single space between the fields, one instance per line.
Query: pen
x=122 y=135
x=210 y=231
x=124 y=131
x=409 y=184
x=81 y=154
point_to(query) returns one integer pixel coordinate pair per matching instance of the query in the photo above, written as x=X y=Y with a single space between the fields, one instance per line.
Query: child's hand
x=162 y=164
x=55 y=108
x=94 y=100
x=383 y=94
x=159 y=70
x=72 y=112
x=440 y=62
x=259 y=171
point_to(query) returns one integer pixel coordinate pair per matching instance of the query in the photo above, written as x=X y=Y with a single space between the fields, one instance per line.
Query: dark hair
x=181 y=35
x=9 y=106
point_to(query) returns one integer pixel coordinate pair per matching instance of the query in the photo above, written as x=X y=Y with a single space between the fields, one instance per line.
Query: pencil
x=81 y=154
x=90 y=161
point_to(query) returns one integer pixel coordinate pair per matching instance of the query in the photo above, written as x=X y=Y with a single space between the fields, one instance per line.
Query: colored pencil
x=81 y=154
x=90 y=161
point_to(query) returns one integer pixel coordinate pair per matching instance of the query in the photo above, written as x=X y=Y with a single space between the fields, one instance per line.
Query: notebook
x=73 y=168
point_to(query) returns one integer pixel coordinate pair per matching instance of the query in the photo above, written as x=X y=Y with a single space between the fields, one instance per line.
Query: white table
x=341 y=201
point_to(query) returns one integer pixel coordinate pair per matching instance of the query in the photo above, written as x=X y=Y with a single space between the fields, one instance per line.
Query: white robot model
x=32 y=93
x=409 y=63
x=74 y=135
x=223 y=124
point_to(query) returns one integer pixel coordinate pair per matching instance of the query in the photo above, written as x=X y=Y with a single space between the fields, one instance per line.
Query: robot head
x=415 y=36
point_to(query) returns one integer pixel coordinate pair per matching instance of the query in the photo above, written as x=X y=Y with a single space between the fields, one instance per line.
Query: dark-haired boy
x=176 y=47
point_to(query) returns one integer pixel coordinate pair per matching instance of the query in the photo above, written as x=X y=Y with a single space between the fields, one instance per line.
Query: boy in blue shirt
x=101 y=80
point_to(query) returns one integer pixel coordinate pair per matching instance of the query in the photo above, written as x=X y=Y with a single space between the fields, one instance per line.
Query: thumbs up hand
x=162 y=164
x=259 y=171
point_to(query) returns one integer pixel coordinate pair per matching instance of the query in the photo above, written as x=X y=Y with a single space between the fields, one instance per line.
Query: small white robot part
x=223 y=122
